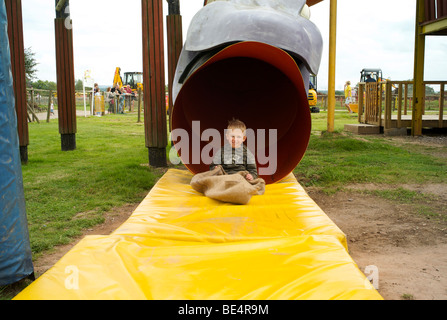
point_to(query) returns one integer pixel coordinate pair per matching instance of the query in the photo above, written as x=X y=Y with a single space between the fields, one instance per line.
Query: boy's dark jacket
x=235 y=160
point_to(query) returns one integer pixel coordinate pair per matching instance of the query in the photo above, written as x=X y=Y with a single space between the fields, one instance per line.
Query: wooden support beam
x=34 y=116
x=173 y=7
x=441 y=106
x=419 y=57
x=154 y=82
x=433 y=28
x=17 y=48
x=311 y=3
x=175 y=45
x=388 y=101
x=399 y=107
x=65 y=78
x=60 y=4
x=332 y=62
x=50 y=98
x=361 y=102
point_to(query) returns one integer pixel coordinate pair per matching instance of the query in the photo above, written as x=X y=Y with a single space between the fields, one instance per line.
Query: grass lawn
x=66 y=192
x=333 y=160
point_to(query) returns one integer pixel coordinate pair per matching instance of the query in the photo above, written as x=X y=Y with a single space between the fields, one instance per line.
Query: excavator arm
x=117 y=78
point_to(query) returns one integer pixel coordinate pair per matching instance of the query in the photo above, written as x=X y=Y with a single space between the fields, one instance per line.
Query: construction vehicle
x=376 y=75
x=369 y=75
x=134 y=79
x=312 y=95
x=117 y=80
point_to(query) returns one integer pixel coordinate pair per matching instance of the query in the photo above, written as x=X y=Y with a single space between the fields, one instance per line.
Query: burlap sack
x=232 y=188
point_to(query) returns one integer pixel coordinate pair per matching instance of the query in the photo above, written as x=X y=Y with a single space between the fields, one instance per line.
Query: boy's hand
x=249 y=177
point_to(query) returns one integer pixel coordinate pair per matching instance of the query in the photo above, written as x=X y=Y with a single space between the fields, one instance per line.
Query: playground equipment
x=179 y=244
x=15 y=252
x=230 y=68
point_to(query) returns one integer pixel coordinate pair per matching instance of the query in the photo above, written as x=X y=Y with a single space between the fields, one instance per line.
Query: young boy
x=234 y=156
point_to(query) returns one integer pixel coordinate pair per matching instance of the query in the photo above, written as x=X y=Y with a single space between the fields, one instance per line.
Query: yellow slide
x=178 y=244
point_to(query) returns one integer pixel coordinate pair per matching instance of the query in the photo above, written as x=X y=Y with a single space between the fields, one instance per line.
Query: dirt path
x=42 y=116
x=409 y=251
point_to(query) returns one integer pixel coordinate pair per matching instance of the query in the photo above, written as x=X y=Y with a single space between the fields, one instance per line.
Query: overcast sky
x=107 y=34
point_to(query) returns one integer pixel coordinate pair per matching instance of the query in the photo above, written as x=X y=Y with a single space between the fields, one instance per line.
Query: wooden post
x=369 y=102
x=441 y=105
x=175 y=45
x=361 y=101
x=65 y=77
x=17 y=48
x=50 y=97
x=30 y=110
x=388 y=101
x=406 y=99
x=378 y=110
x=139 y=105
x=32 y=99
x=418 y=85
x=154 y=82
x=423 y=99
x=332 y=61
x=399 y=107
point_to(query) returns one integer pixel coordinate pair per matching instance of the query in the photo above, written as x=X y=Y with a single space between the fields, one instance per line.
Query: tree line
x=30 y=74
x=50 y=85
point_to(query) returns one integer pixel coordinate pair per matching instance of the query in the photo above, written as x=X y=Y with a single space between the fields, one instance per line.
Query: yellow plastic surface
x=179 y=244
x=354 y=107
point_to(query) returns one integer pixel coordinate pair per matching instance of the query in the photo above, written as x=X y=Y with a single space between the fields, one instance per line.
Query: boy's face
x=235 y=137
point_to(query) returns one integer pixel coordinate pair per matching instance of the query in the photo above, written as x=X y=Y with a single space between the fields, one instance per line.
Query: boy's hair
x=236 y=124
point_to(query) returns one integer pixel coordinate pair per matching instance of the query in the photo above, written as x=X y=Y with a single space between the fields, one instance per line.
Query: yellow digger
x=312 y=95
x=134 y=79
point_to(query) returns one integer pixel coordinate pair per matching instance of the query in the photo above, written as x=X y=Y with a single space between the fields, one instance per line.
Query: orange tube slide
x=258 y=84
